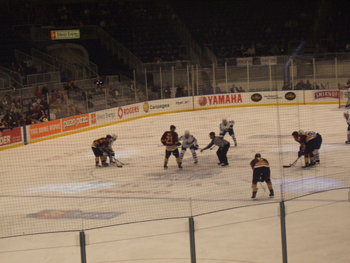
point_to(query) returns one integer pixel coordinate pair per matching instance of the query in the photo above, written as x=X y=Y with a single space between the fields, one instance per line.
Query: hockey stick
x=263 y=187
x=120 y=162
x=288 y=166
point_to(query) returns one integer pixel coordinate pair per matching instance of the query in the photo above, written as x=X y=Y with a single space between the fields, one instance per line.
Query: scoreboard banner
x=65 y=34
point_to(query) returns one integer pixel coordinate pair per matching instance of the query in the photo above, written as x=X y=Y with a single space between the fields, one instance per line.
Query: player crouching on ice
x=223 y=148
x=98 y=147
x=318 y=139
x=227 y=126
x=108 y=151
x=261 y=173
x=188 y=141
x=346 y=116
x=307 y=146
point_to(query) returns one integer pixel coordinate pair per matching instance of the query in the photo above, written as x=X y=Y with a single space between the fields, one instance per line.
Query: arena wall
x=80 y=123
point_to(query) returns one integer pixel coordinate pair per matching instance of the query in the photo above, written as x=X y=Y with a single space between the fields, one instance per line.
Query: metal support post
x=82 y=246
x=192 y=240
x=283 y=232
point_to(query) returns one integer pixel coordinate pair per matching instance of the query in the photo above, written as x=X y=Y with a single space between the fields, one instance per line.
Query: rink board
x=80 y=123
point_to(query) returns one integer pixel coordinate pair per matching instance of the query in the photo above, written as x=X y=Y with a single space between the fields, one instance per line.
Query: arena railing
x=41 y=66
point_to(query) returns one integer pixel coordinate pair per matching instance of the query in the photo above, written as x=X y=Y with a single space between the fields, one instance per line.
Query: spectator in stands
x=307 y=84
x=274 y=51
x=64 y=77
x=59 y=96
x=300 y=85
x=7 y=120
x=44 y=105
x=152 y=95
x=179 y=92
x=286 y=86
x=347 y=47
x=38 y=93
x=167 y=90
x=217 y=89
x=250 y=51
x=8 y=97
x=4 y=104
x=68 y=87
x=209 y=89
x=13 y=108
x=44 y=90
x=234 y=89
x=240 y=90
x=74 y=86
x=98 y=84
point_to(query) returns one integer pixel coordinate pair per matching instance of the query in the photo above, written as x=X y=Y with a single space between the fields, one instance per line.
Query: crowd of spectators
x=301 y=86
x=15 y=114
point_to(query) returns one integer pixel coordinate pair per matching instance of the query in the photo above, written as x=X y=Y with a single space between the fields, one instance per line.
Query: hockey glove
x=300 y=153
x=178 y=144
x=164 y=143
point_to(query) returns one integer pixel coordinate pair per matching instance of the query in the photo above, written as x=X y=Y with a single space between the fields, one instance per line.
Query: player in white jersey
x=189 y=141
x=348 y=102
x=109 y=150
x=318 y=139
x=227 y=126
x=347 y=118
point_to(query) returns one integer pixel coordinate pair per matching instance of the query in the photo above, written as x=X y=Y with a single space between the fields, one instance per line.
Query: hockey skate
x=254 y=195
x=317 y=161
x=347 y=142
x=180 y=166
x=165 y=166
x=195 y=162
x=98 y=165
x=235 y=144
x=220 y=164
x=223 y=165
x=306 y=166
x=272 y=194
x=105 y=164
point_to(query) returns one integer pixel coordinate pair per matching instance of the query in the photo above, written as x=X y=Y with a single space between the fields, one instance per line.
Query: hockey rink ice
x=53 y=186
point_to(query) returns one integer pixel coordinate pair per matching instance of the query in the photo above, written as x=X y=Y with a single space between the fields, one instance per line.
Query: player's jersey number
x=169 y=139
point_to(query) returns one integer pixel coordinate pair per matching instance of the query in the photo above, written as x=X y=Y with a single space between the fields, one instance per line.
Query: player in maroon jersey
x=171 y=141
x=307 y=146
x=98 y=147
x=261 y=173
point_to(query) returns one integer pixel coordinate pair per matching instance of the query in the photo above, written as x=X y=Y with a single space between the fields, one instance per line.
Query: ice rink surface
x=53 y=186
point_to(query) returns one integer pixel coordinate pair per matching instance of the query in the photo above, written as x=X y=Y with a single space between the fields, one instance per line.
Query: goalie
x=188 y=141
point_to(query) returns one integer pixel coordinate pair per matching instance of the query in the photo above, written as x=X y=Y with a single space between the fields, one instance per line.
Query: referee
x=223 y=148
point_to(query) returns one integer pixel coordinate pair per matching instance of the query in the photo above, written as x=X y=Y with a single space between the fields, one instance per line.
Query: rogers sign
x=127 y=111
x=221 y=99
x=75 y=122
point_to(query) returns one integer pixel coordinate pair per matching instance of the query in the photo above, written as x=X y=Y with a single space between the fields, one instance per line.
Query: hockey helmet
x=212 y=134
x=295 y=133
x=109 y=136
x=257 y=155
x=301 y=132
x=187 y=133
x=172 y=127
x=114 y=136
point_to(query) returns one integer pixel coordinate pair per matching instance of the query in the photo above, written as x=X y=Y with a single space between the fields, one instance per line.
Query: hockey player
x=170 y=140
x=307 y=146
x=98 y=147
x=188 y=141
x=109 y=150
x=223 y=148
x=261 y=173
x=346 y=116
x=318 y=144
x=227 y=126
x=348 y=102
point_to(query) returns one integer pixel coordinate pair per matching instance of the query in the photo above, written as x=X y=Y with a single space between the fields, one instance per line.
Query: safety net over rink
x=49 y=182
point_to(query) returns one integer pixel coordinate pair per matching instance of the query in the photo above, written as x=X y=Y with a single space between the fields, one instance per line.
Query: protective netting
x=53 y=186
